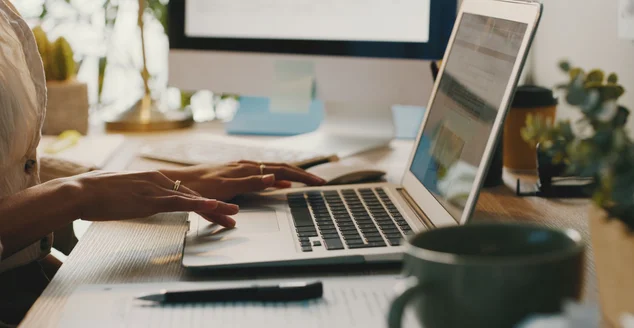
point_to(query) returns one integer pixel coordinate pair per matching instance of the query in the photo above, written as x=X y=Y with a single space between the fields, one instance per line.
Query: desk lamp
x=147 y=114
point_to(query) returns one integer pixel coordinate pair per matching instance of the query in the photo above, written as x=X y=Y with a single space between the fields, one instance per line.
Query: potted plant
x=601 y=149
x=67 y=105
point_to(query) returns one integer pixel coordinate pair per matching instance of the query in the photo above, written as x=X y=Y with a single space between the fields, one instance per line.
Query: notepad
x=348 y=302
x=91 y=151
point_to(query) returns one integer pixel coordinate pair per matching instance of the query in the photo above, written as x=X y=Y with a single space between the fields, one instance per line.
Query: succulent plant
x=41 y=39
x=61 y=61
x=601 y=148
x=57 y=56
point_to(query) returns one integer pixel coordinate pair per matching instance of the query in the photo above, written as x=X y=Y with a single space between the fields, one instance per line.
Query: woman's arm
x=33 y=213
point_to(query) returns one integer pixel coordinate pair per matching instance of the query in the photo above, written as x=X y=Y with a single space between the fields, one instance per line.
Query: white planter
x=613 y=245
x=67 y=107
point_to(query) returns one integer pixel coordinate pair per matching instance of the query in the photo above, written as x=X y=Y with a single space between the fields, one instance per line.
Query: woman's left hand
x=228 y=181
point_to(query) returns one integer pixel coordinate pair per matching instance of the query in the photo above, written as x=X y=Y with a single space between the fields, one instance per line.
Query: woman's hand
x=117 y=196
x=228 y=181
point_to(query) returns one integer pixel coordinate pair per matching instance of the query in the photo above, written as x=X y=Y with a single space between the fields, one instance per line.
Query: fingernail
x=231 y=223
x=268 y=179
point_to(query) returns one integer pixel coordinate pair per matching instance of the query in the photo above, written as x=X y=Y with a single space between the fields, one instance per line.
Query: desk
x=148 y=250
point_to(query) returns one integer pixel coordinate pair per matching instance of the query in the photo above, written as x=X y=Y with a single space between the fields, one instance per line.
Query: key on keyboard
x=362 y=218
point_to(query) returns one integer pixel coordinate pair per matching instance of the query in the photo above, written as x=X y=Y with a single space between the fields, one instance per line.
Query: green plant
x=600 y=148
x=57 y=56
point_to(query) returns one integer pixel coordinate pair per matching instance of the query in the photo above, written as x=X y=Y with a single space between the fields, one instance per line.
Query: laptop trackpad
x=251 y=221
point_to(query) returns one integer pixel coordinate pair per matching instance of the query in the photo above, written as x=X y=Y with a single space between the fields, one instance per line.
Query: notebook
x=348 y=302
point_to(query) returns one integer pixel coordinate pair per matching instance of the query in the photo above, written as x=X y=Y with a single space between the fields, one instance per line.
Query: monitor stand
x=347 y=129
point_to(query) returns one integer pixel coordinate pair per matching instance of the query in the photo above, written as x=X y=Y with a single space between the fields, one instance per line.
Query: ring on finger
x=262 y=167
x=177 y=185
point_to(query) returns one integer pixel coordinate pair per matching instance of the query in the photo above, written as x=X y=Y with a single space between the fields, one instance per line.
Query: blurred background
x=106 y=40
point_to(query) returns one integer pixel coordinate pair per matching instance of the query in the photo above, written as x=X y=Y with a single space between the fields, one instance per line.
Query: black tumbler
x=493 y=177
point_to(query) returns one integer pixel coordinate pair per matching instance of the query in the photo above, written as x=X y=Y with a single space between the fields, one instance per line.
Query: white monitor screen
x=466 y=104
x=329 y=20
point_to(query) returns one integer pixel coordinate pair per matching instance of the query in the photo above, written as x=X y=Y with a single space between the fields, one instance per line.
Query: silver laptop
x=367 y=223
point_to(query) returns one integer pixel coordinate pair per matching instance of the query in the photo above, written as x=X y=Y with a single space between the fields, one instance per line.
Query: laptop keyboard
x=347 y=219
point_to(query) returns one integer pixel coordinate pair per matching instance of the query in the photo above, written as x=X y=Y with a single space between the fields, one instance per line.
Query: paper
x=90 y=151
x=294 y=88
x=348 y=302
x=626 y=20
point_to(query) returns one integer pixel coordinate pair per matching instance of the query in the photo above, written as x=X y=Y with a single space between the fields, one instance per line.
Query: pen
x=280 y=293
x=316 y=161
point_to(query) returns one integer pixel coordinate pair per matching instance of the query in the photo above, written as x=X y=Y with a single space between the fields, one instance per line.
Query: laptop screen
x=463 y=112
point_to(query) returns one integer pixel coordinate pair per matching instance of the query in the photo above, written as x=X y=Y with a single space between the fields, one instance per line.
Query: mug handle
x=405 y=290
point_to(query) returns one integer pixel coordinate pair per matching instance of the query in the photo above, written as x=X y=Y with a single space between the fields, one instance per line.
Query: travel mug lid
x=531 y=96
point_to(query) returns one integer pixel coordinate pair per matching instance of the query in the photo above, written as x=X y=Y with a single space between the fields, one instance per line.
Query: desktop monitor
x=366 y=56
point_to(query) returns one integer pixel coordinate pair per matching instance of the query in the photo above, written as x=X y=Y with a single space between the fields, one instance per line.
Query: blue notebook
x=407 y=120
x=254 y=118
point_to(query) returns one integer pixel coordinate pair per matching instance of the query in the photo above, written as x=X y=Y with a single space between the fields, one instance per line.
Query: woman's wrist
x=73 y=194
x=41 y=210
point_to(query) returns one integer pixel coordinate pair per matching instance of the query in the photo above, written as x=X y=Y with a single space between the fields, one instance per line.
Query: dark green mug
x=488 y=274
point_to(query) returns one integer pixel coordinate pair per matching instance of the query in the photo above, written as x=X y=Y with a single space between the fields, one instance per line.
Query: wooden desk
x=148 y=250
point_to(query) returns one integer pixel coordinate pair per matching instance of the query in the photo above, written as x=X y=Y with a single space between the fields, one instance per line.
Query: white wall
x=586 y=32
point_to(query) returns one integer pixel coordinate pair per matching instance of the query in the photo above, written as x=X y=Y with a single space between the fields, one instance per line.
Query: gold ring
x=177 y=185
x=262 y=166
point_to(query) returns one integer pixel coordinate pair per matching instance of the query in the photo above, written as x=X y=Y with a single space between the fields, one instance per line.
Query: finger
x=283 y=184
x=294 y=175
x=189 y=203
x=227 y=209
x=284 y=172
x=158 y=178
x=266 y=163
x=153 y=189
x=162 y=181
x=178 y=203
x=250 y=184
x=220 y=219
x=188 y=191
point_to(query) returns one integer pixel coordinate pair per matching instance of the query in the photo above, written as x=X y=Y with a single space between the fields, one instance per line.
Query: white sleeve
x=22 y=79
x=34 y=252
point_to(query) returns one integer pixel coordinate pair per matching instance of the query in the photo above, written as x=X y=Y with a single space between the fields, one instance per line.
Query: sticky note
x=626 y=19
x=294 y=87
x=254 y=117
x=407 y=120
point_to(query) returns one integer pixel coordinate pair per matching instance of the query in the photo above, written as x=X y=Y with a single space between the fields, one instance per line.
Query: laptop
x=367 y=223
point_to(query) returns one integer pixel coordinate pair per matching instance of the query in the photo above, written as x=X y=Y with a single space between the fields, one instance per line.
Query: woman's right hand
x=108 y=196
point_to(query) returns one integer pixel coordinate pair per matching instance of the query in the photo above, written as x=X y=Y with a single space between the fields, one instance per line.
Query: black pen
x=287 y=292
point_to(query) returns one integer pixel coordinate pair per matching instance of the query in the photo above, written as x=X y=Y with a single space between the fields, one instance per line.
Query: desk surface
x=148 y=250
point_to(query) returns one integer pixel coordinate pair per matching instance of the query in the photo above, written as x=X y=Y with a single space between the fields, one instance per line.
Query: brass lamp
x=147 y=113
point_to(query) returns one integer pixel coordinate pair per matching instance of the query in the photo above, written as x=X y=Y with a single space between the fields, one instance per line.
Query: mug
x=488 y=274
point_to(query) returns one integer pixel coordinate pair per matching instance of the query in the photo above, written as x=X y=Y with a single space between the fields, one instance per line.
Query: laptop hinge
x=419 y=212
